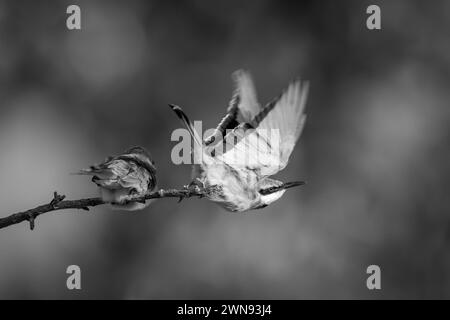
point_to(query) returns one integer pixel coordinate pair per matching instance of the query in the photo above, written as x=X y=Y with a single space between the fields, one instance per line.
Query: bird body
x=132 y=173
x=234 y=195
x=250 y=144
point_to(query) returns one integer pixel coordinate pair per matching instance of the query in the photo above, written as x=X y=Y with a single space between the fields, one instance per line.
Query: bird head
x=140 y=153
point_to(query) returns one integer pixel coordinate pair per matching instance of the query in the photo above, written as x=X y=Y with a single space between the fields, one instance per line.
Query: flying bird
x=131 y=173
x=250 y=144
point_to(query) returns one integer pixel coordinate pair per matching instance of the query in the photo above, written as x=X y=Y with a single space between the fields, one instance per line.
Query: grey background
x=374 y=151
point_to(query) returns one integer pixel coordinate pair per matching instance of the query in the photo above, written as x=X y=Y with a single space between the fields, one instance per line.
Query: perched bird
x=132 y=173
x=249 y=145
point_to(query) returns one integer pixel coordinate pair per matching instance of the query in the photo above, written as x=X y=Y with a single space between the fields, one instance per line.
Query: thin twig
x=58 y=203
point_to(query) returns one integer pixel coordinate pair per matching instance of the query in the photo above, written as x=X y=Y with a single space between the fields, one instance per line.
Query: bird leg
x=195 y=185
x=133 y=193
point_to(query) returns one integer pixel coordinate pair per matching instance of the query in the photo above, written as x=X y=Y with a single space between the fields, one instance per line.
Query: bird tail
x=92 y=170
x=187 y=123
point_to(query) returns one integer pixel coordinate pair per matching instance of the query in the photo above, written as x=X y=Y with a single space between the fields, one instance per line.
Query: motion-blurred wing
x=248 y=102
x=267 y=148
x=243 y=107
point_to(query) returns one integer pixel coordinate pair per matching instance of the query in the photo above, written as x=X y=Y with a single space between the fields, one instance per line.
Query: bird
x=250 y=144
x=131 y=173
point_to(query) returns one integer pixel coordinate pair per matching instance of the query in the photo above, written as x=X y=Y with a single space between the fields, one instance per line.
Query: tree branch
x=58 y=203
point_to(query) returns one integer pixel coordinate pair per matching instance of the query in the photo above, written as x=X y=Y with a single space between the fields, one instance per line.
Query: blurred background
x=375 y=149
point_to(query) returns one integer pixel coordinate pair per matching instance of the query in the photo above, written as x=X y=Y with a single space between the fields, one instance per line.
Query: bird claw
x=195 y=186
x=133 y=193
x=186 y=189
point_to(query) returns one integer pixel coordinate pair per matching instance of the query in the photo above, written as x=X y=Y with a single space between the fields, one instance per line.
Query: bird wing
x=137 y=178
x=243 y=107
x=248 y=106
x=265 y=144
x=118 y=173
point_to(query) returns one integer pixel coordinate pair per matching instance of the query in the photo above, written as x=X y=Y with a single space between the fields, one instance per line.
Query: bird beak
x=284 y=186
x=288 y=185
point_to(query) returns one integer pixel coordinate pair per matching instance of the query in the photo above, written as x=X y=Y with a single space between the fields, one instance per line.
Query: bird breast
x=238 y=190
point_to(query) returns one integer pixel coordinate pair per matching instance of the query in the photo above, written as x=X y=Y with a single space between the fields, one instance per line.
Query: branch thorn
x=31 y=220
x=57 y=198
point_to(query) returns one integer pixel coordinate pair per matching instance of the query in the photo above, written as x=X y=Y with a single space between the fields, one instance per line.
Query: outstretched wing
x=270 y=137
